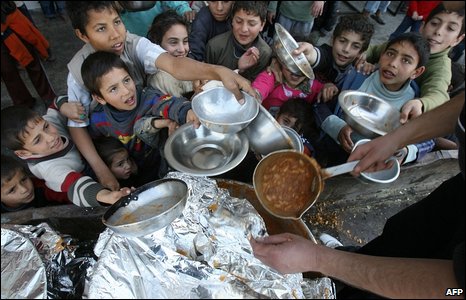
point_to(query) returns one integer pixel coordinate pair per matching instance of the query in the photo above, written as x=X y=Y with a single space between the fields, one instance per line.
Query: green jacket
x=433 y=82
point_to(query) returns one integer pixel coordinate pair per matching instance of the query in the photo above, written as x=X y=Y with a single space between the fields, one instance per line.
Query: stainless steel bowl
x=202 y=152
x=150 y=208
x=219 y=111
x=265 y=135
x=295 y=139
x=283 y=45
x=367 y=114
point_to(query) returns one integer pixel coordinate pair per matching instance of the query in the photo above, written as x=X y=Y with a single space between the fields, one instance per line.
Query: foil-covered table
x=205 y=253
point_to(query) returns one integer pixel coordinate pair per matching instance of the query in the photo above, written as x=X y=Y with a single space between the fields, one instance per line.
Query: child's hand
x=364 y=67
x=110 y=197
x=410 y=110
x=307 y=49
x=248 y=59
x=344 y=137
x=274 y=68
x=191 y=117
x=74 y=111
x=162 y=123
x=107 y=179
x=327 y=93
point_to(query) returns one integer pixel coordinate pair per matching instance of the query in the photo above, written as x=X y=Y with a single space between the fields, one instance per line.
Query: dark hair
x=301 y=110
x=358 y=24
x=162 y=23
x=15 y=121
x=256 y=8
x=419 y=43
x=107 y=147
x=10 y=166
x=441 y=9
x=78 y=11
x=97 y=65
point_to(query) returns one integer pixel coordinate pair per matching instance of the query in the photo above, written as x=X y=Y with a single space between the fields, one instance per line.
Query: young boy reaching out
x=126 y=111
x=98 y=24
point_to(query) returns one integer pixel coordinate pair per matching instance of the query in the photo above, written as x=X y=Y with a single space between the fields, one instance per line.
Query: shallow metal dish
x=219 y=111
x=266 y=135
x=295 y=139
x=150 y=208
x=203 y=152
x=367 y=114
x=283 y=45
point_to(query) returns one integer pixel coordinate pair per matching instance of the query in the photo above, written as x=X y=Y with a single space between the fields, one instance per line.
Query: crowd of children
x=137 y=89
x=130 y=85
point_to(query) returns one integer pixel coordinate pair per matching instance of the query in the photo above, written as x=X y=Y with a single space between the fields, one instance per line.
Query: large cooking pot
x=150 y=208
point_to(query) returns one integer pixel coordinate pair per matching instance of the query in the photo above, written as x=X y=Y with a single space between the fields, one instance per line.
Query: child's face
x=442 y=31
x=398 y=64
x=105 y=31
x=286 y=119
x=122 y=166
x=175 y=41
x=293 y=80
x=220 y=9
x=41 y=139
x=346 y=48
x=246 y=27
x=118 y=89
x=17 y=191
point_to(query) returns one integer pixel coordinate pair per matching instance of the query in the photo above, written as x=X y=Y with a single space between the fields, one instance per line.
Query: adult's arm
x=438 y=122
x=386 y=276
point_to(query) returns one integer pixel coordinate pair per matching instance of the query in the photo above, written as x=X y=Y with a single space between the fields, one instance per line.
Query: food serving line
x=186 y=236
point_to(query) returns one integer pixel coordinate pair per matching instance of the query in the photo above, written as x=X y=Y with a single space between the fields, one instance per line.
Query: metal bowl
x=283 y=45
x=150 y=208
x=295 y=139
x=367 y=114
x=382 y=176
x=219 y=111
x=202 y=152
x=266 y=135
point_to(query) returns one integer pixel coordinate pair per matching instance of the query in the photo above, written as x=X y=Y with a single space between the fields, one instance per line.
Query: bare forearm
x=390 y=277
x=183 y=68
x=87 y=149
x=435 y=123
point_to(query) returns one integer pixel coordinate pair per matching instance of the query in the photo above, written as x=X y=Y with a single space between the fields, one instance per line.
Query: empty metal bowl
x=202 y=152
x=367 y=114
x=265 y=135
x=150 y=208
x=283 y=45
x=382 y=176
x=219 y=111
x=295 y=139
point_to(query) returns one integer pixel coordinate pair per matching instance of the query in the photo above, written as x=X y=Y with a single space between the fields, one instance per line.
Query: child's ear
x=418 y=72
x=81 y=36
x=458 y=40
x=23 y=153
x=99 y=99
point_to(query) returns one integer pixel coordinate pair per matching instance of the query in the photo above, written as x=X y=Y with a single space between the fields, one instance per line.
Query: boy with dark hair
x=443 y=29
x=402 y=61
x=20 y=191
x=125 y=111
x=241 y=48
x=99 y=25
x=351 y=38
x=43 y=143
